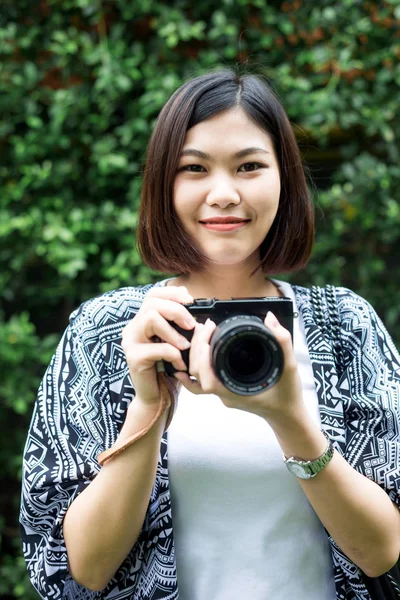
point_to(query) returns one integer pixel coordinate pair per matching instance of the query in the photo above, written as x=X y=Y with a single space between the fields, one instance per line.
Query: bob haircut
x=163 y=243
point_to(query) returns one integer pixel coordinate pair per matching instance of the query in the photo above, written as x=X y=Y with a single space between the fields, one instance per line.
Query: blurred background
x=81 y=83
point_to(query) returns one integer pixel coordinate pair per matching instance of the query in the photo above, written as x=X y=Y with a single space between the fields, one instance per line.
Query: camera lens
x=245 y=355
x=246 y=359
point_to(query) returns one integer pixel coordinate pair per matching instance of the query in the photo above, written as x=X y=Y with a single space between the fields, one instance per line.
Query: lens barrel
x=245 y=355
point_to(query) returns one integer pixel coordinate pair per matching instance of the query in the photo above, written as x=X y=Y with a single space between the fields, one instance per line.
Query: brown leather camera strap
x=167 y=400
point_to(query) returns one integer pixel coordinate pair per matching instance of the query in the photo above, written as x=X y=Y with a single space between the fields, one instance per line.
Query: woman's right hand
x=162 y=304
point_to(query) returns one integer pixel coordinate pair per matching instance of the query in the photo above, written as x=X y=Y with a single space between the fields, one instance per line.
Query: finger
x=203 y=332
x=200 y=358
x=283 y=337
x=272 y=323
x=156 y=325
x=141 y=357
x=170 y=310
x=152 y=320
x=189 y=382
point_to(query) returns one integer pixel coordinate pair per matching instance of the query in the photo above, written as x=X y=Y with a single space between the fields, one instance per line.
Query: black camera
x=245 y=354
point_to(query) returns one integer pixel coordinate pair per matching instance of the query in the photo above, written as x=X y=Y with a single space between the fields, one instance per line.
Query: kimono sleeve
x=69 y=428
x=370 y=388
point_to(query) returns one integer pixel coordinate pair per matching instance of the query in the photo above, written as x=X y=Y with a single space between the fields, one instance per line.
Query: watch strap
x=311 y=468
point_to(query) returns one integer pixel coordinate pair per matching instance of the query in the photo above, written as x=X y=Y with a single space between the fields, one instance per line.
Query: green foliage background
x=81 y=82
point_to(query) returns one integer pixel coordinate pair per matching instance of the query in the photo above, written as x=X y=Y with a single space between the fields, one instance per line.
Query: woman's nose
x=222 y=193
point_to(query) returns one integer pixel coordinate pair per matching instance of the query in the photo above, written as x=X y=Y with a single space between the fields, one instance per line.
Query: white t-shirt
x=243 y=527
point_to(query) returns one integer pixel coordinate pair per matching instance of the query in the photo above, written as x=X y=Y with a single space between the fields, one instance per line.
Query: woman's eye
x=192 y=168
x=250 y=166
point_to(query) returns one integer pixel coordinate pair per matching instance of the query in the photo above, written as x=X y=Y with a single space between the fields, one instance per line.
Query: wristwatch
x=306 y=469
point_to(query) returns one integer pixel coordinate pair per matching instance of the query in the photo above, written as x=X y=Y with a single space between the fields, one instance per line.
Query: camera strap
x=168 y=399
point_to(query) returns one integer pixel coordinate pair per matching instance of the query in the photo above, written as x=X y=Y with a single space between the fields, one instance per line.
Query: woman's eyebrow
x=240 y=154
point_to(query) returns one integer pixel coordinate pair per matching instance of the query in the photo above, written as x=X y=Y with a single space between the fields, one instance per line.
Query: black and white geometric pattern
x=81 y=407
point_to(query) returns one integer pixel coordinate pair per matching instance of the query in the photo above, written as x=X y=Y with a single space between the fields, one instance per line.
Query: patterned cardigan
x=81 y=407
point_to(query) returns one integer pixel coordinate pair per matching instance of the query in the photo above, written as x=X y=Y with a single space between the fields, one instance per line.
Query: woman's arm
x=103 y=523
x=356 y=512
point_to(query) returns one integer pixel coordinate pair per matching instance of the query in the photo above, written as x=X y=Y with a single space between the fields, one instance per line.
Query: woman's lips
x=225 y=226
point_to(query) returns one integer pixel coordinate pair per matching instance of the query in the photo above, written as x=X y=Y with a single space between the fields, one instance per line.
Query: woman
x=224 y=205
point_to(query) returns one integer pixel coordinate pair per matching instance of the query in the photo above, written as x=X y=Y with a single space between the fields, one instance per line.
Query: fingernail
x=188 y=297
x=190 y=323
x=272 y=320
x=184 y=344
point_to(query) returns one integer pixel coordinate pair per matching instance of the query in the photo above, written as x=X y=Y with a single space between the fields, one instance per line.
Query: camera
x=245 y=355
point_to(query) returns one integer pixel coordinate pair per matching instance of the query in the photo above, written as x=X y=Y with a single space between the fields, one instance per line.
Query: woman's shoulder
x=114 y=306
x=343 y=296
x=311 y=299
x=352 y=309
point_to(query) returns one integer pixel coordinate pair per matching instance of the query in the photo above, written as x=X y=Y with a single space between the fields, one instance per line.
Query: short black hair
x=163 y=243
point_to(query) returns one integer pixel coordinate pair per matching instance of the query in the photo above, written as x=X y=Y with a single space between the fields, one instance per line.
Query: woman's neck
x=223 y=286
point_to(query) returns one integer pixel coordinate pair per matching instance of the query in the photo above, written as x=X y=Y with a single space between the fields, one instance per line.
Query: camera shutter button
x=203 y=301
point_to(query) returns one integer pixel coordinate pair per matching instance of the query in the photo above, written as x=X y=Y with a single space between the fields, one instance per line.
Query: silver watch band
x=306 y=469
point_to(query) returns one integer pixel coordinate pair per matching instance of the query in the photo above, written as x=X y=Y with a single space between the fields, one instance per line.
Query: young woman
x=292 y=492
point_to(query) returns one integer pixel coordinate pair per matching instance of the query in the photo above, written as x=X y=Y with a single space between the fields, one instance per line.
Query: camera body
x=245 y=354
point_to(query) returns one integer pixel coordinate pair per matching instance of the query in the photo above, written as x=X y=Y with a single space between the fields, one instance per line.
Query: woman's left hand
x=283 y=398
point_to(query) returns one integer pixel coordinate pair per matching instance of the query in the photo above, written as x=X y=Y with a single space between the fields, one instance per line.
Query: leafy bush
x=81 y=83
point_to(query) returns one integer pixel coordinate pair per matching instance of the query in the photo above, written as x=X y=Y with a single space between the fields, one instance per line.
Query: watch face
x=298 y=470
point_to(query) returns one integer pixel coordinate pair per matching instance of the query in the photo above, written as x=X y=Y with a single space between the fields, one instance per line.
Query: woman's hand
x=142 y=353
x=283 y=398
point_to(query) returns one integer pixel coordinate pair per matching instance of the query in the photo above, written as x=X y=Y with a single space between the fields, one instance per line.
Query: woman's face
x=227 y=187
